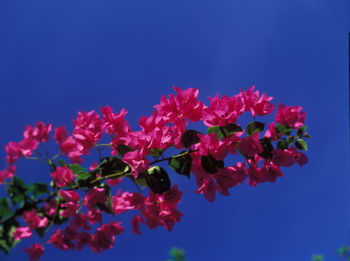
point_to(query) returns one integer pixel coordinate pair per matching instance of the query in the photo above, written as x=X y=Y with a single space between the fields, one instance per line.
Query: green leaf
x=254 y=126
x=300 y=131
x=39 y=188
x=225 y=131
x=108 y=205
x=75 y=168
x=123 y=149
x=283 y=129
x=4 y=247
x=177 y=254
x=210 y=164
x=290 y=140
x=282 y=144
x=84 y=179
x=5 y=207
x=155 y=153
x=18 y=190
x=157 y=179
x=182 y=164
x=190 y=138
x=40 y=231
x=301 y=144
x=62 y=162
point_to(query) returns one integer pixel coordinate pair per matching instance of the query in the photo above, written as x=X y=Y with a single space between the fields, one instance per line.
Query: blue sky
x=60 y=57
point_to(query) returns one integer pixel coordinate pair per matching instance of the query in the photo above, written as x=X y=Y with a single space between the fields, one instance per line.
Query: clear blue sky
x=59 y=57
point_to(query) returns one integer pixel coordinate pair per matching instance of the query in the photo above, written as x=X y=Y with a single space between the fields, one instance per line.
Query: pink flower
x=161 y=210
x=105 y=236
x=83 y=238
x=135 y=222
x=250 y=145
x=152 y=122
x=94 y=215
x=114 y=123
x=70 y=209
x=88 y=130
x=207 y=187
x=290 y=116
x=35 y=252
x=33 y=219
x=270 y=171
x=28 y=145
x=69 y=195
x=184 y=106
x=210 y=144
x=62 y=176
x=22 y=232
x=137 y=160
x=229 y=177
x=114 y=182
x=13 y=151
x=271 y=132
x=255 y=104
x=60 y=134
x=187 y=103
x=8 y=173
x=283 y=158
x=222 y=111
x=73 y=149
x=299 y=157
x=79 y=221
x=50 y=207
x=61 y=241
x=127 y=201
x=95 y=195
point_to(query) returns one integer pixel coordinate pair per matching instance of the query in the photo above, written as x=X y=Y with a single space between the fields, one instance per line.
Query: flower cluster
x=79 y=196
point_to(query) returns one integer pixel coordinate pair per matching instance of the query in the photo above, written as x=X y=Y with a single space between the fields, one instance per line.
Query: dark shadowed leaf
x=157 y=179
x=210 y=164
x=189 y=138
x=181 y=164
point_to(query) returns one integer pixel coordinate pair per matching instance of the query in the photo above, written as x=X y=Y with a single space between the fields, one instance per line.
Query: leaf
x=39 y=188
x=290 y=140
x=5 y=207
x=155 y=153
x=190 y=138
x=157 y=179
x=283 y=129
x=225 y=131
x=111 y=165
x=182 y=164
x=301 y=144
x=301 y=130
x=18 y=190
x=267 y=148
x=210 y=164
x=254 y=126
x=282 y=144
x=75 y=168
x=123 y=149
x=84 y=179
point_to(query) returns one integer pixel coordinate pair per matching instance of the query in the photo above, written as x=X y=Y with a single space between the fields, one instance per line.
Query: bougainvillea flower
x=271 y=132
x=152 y=122
x=250 y=145
x=62 y=176
x=33 y=219
x=28 y=145
x=61 y=134
x=13 y=152
x=270 y=171
x=95 y=195
x=22 y=232
x=298 y=156
x=35 y=252
x=135 y=222
x=114 y=123
x=50 y=207
x=255 y=104
x=291 y=116
x=222 y=111
x=61 y=241
x=88 y=129
x=7 y=173
x=229 y=177
x=187 y=103
x=83 y=238
x=283 y=158
x=210 y=144
x=137 y=160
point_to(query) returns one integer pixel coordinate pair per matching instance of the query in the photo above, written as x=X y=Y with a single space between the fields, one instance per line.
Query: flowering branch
x=78 y=196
